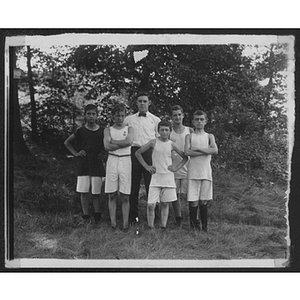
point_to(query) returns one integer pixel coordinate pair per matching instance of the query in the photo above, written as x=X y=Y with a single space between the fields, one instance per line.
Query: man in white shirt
x=145 y=129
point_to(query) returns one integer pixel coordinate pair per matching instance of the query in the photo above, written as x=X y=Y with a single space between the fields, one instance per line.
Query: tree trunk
x=32 y=100
x=19 y=146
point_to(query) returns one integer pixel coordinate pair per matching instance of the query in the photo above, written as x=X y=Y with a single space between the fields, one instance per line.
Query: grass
x=246 y=220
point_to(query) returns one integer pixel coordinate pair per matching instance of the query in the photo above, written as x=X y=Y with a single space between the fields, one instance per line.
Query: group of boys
x=173 y=159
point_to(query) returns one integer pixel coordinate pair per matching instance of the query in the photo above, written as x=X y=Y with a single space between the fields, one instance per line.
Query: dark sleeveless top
x=92 y=143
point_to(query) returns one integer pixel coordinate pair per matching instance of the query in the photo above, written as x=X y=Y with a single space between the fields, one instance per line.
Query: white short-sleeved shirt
x=145 y=128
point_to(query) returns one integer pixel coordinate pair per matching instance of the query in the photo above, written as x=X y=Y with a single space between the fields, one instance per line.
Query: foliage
x=247 y=117
x=44 y=184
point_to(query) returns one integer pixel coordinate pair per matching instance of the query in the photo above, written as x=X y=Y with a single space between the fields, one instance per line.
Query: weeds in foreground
x=246 y=220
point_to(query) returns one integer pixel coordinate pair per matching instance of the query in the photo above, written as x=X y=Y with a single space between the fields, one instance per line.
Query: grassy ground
x=246 y=220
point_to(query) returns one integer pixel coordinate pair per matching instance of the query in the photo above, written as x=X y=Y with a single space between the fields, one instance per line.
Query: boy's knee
x=203 y=202
x=164 y=204
x=151 y=206
x=193 y=203
x=113 y=196
x=125 y=198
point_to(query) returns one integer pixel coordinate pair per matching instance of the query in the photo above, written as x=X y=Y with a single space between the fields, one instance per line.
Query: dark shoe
x=97 y=217
x=86 y=220
x=178 y=221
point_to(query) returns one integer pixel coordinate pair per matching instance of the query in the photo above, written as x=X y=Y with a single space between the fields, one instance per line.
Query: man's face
x=199 y=121
x=143 y=103
x=177 y=116
x=91 y=116
x=164 y=132
x=119 y=117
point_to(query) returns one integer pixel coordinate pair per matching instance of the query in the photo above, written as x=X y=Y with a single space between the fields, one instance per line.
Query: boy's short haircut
x=142 y=93
x=90 y=107
x=164 y=123
x=176 y=107
x=118 y=107
x=200 y=113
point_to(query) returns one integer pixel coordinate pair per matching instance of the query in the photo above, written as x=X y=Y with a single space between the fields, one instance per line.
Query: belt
x=124 y=155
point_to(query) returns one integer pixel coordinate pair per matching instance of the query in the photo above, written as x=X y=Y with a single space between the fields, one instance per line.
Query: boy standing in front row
x=178 y=134
x=200 y=146
x=88 y=139
x=162 y=186
x=117 y=141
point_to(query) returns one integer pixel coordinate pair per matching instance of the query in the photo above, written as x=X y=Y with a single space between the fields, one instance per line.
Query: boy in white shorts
x=86 y=144
x=162 y=186
x=200 y=146
x=117 y=141
x=178 y=134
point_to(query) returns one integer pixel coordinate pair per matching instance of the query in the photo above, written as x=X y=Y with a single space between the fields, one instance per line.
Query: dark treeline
x=243 y=95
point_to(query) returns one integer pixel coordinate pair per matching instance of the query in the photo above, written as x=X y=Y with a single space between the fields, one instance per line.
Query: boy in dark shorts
x=88 y=139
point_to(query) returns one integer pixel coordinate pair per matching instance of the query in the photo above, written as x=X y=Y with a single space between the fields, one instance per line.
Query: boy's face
x=91 y=116
x=119 y=117
x=164 y=132
x=199 y=121
x=177 y=116
x=143 y=103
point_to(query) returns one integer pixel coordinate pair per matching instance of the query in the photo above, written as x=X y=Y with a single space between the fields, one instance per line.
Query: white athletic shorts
x=118 y=174
x=181 y=185
x=87 y=183
x=199 y=190
x=161 y=194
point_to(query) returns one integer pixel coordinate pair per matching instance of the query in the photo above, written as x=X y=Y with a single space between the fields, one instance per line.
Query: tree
x=19 y=145
x=219 y=79
x=32 y=100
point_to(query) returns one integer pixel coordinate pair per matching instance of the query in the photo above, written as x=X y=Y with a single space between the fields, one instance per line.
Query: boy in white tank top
x=200 y=146
x=178 y=134
x=117 y=141
x=162 y=186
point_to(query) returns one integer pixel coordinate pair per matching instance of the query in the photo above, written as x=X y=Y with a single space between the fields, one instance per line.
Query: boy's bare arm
x=127 y=141
x=106 y=141
x=138 y=154
x=69 y=145
x=182 y=162
x=212 y=149
x=187 y=148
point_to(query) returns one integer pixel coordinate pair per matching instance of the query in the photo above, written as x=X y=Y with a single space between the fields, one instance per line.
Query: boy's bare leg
x=112 y=206
x=151 y=214
x=84 y=198
x=164 y=214
x=125 y=209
